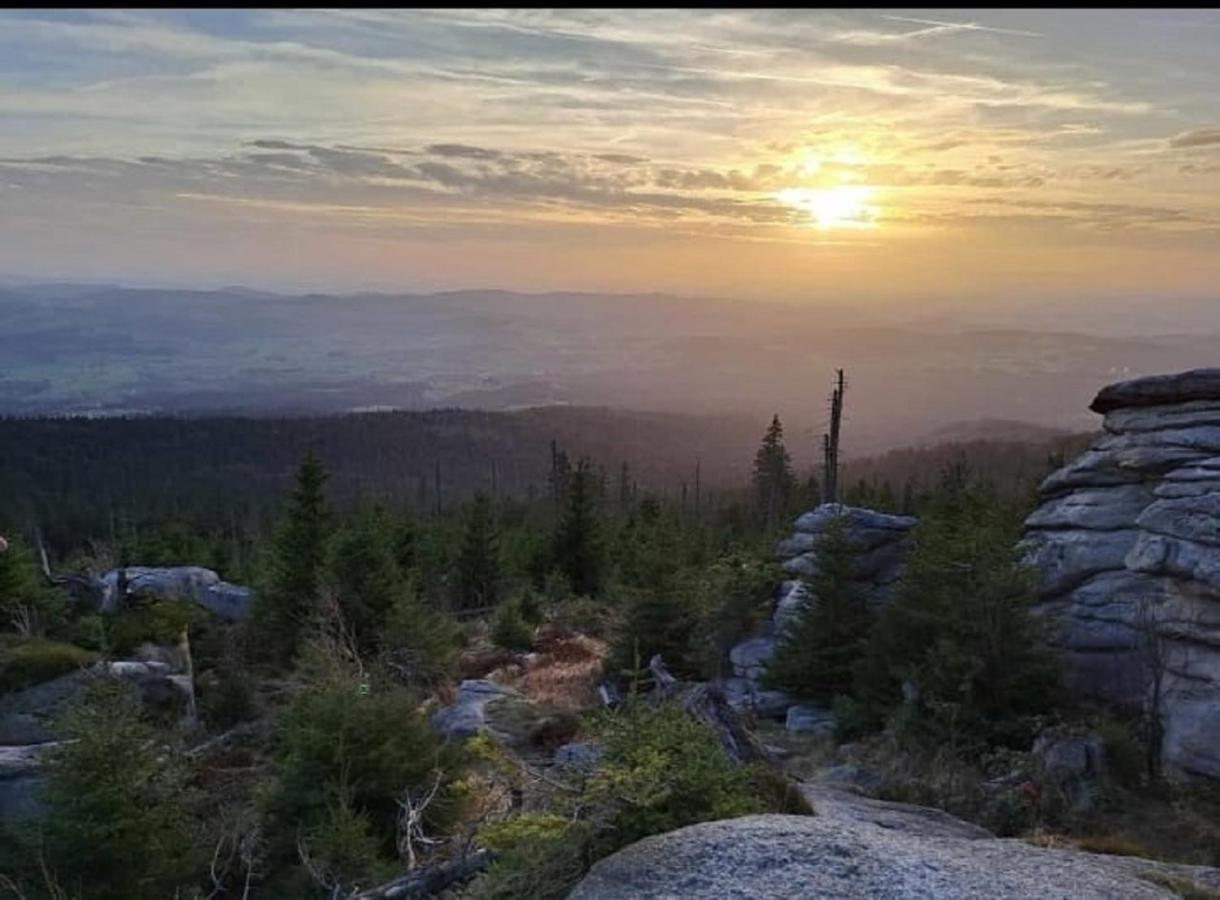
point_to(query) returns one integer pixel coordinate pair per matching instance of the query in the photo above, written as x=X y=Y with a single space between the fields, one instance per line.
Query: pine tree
x=365 y=576
x=659 y=612
x=961 y=630
x=23 y=595
x=119 y=805
x=773 y=478
x=478 y=563
x=298 y=554
x=577 y=544
x=816 y=657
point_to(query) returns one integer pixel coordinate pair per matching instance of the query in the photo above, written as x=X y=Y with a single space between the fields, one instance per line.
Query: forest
x=309 y=760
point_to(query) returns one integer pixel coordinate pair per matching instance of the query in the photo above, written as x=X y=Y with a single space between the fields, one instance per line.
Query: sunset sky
x=774 y=155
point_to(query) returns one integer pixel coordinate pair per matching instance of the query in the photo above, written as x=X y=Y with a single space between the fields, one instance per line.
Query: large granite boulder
x=869 y=849
x=880 y=541
x=1127 y=544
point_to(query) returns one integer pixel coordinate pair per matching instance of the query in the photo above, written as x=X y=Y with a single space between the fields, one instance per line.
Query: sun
x=846 y=206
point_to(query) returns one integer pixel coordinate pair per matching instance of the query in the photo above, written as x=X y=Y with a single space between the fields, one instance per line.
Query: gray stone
x=804 y=718
x=791 y=604
x=1194 y=519
x=1193 y=386
x=799 y=542
x=745 y=695
x=1148 y=491
x=583 y=757
x=1158 y=418
x=750 y=657
x=859 y=521
x=468 y=714
x=1067 y=757
x=1093 y=509
x=1066 y=559
x=21 y=729
x=834 y=857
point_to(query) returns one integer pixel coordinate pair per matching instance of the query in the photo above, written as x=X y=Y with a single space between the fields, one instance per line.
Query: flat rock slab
x=832 y=856
x=1159 y=390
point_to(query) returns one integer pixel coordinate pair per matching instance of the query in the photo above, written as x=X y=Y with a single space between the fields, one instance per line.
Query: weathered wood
x=430 y=881
x=707 y=703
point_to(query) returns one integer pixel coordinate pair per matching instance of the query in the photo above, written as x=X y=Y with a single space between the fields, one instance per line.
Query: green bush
x=817 y=657
x=509 y=630
x=664 y=769
x=733 y=598
x=961 y=631
x=341 y=742
x=157 y=622
x=1126 y=759
x=539 y=855
x=227 y=702
x=583 y=614
x=35 y=661
x=419 y=645
x=119 y=811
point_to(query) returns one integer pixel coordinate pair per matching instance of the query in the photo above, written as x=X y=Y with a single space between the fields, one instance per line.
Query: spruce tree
x=816 y=657
x=478 y=562
x=365 y=576
x=298 y=553
x=773 y=478
x=961 y=630
x=577 y=543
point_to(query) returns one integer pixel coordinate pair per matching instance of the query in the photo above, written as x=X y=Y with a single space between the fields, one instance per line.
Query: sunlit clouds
x=763 y=154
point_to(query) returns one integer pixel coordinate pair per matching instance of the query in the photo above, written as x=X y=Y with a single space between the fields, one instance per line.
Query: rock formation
x=162 y=674
x=1127 y=544
x=870 y=849
x=881 y=541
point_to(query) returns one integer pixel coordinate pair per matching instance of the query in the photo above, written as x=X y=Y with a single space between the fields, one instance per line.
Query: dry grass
x=1114 y=845
x=562 y=674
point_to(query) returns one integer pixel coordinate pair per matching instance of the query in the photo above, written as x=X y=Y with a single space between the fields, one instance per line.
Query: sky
x=913 y=157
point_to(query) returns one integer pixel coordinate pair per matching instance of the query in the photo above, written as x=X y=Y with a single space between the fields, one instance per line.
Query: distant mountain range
x=112 y=350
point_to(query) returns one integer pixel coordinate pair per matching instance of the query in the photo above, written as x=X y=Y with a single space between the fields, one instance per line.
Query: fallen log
x=430 y=881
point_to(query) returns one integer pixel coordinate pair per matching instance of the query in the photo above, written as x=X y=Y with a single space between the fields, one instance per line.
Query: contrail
x=962 y=26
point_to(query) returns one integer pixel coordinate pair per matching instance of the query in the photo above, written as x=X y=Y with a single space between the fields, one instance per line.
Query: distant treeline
x=76 y=476
x=82 y=478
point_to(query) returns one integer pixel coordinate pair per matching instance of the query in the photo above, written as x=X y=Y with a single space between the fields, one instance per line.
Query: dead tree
x=830 y=444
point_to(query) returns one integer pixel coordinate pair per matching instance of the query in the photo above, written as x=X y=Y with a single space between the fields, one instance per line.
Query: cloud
x=1197 y=137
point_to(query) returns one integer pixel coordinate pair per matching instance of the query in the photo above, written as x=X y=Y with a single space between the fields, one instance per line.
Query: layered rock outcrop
x=1127 y=544
x=881 y=543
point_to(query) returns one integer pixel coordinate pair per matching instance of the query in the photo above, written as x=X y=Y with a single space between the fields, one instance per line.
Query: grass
x=35 y=661
x=1114 y=845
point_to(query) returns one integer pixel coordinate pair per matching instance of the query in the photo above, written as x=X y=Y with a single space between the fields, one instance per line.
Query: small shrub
x=778 y=792
x=119 y=809
x=158 y=622
x=582 y=614
x=663 y=770
x=33 y=662
x=540 y=855
x=1114 y=845
x=510 y=630
x=1125 y=756
x=227 y=702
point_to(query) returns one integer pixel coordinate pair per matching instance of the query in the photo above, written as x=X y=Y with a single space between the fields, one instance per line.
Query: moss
x=35 y=661
x=1114 y=845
